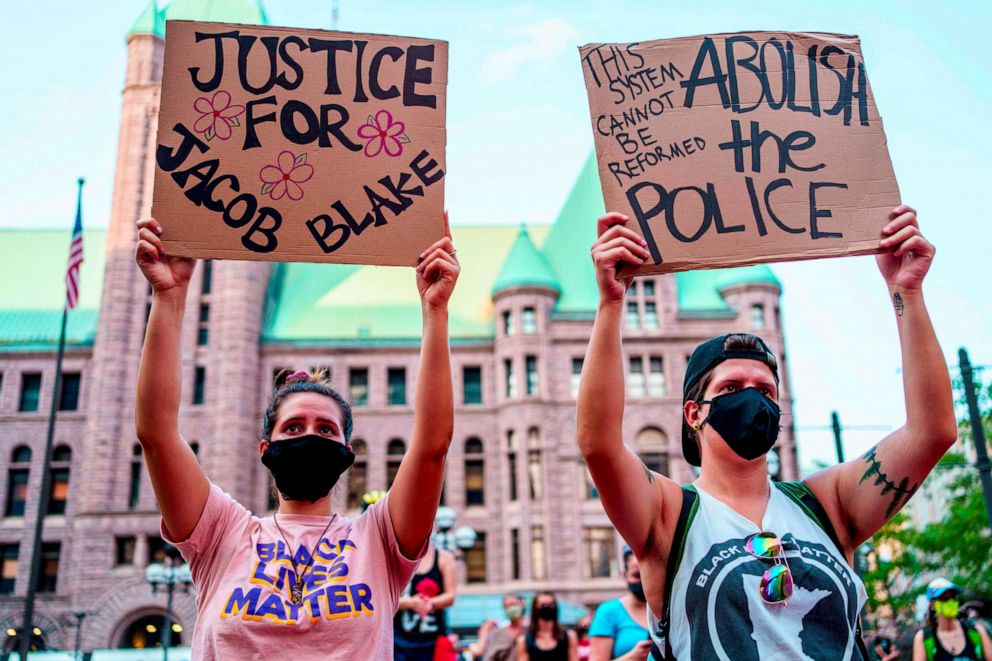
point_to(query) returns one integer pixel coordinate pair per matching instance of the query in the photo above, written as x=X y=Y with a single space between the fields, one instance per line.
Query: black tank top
x=968 y=653
x=558 y=653
x=410 y=630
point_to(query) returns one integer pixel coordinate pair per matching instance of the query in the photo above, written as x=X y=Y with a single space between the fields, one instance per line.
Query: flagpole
x=27 y=629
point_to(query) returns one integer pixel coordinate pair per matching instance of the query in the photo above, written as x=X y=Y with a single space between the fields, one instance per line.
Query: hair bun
x=297 y=376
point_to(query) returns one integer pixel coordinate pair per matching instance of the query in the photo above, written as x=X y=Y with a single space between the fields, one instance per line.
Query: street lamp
x=456 y=541
x=170 y=577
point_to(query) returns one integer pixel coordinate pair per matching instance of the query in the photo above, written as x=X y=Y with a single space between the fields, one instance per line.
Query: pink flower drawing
x=383 y=133
x=217 y=115
x=284 y=178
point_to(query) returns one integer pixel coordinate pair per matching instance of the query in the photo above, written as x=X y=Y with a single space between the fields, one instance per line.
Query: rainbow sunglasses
x=776 y=585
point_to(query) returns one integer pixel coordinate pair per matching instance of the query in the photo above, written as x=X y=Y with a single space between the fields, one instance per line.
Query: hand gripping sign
x=300 y=145
x=735 y=149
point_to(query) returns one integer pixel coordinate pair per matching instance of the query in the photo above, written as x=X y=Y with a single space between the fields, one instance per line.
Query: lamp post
x=456 y=541
x=168 y=576
x=80 y=616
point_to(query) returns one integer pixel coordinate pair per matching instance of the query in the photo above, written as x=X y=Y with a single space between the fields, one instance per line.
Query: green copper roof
x=33 y=288
x=700 y=290
x=152 y=19
x=342 y=303
x=525 y=266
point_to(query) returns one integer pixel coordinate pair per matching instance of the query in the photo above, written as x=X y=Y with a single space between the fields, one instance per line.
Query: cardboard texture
x=300 y=145
x=735 y=149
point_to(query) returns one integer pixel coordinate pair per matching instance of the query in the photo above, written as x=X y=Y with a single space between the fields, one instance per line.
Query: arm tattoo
x=900 y=306
x=901 y=493
x=648 y=472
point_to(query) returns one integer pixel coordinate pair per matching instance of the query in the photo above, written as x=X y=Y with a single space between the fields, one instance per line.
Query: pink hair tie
x=298 y=375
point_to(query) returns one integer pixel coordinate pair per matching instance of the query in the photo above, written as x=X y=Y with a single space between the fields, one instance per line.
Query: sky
x=519 y=131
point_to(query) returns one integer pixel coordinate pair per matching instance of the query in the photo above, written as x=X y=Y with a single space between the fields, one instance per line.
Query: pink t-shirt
x=243 y=574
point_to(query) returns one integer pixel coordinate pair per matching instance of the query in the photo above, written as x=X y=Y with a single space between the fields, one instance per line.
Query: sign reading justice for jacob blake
x=736 y=149
x=300 y=145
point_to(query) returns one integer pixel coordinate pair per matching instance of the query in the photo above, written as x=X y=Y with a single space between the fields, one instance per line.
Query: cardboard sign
x=735 y=149
x=300 y=145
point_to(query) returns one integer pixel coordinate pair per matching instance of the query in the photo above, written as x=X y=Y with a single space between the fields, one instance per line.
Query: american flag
x=75 y=255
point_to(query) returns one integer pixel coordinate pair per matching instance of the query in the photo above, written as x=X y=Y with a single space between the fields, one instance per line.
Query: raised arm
x=180 y=486
x=864 y=493
x=416 y=491
x=631 y=494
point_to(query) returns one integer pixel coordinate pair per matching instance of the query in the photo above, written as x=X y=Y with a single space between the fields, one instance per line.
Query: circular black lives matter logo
x=729 y=620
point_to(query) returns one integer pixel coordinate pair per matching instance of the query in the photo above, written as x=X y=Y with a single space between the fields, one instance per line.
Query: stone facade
x=541 y=536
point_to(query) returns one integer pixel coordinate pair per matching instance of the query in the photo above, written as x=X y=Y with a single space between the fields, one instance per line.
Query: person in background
x=885 y=649
x=546 y=639
x=500 y=643
x=582 y=633
x=620 y=628
x=945 y=636
x=420 y=622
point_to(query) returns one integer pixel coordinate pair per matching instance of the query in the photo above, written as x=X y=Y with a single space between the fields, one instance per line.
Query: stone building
x=520 y=321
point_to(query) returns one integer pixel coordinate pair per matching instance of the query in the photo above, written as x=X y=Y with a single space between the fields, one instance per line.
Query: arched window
x=535 y=473
x=652 y=447
x=475 y=466
x=358 y=474
x=134 y=486
x=17 y=480
x=394 y=456
x=59 y=477
x=148 y=631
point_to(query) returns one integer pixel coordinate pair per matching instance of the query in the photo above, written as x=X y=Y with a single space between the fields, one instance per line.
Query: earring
x=697 y=426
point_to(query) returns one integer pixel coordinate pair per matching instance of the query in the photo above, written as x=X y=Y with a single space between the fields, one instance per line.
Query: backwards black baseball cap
x=705 y=357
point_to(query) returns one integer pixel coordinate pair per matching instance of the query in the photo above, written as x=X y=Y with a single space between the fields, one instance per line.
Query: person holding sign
x=305 y=582
x=735 y=566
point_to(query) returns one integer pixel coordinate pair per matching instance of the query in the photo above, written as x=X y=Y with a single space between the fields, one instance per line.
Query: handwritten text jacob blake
x=376 y=73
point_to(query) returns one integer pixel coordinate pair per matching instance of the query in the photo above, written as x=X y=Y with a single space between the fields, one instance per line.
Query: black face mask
x=637 y=589
x=546 y=613
x=747 y=420
x=307 y=467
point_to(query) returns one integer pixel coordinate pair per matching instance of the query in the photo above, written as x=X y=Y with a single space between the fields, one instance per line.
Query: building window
x=396 y=380
x=199 y=384
x=8 y=567
x=591 y=492
x=652 y=446
x=633 y=288
x=511 y=383
x=49 y=576
x=633 y=320
x=475 y=560
x=69 y=397
x=650 y=315
x=576 y=377
x=124 y=550
x=530 y=363
x=511 y=444
x=507 y=323
x=600 y=552
x=535 y=474
x=474 y=473
x=538 y=554
x=757 y=316
x=59 y=494
x=778 y=318
x=656 y=376
x=635 y=377
x=156 y=549
x=208 y=276
x=528 y=321
x=358 y=475
x=648 y=288
x=394 y=451
x=358 y=386
x=203 y=329
x=17 y=480
x=30 y=392
x=472 y=385
x=134 y=490
x=515 y=551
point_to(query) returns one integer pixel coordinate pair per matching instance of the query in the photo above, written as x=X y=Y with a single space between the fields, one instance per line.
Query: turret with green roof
x=152 y=19
x=525 y=266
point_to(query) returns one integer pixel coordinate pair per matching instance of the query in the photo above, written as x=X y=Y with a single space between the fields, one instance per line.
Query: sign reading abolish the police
x=736 y=149
x=300 y=145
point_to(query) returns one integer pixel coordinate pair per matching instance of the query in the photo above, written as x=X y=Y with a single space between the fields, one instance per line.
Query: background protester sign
x=300 y=145
x=735 y=149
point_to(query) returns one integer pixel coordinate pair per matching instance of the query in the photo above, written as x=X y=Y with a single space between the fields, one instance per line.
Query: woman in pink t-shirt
x=304 y=583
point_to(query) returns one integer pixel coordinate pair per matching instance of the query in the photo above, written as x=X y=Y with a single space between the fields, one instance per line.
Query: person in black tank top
x=545 y=639
x=421 y=619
